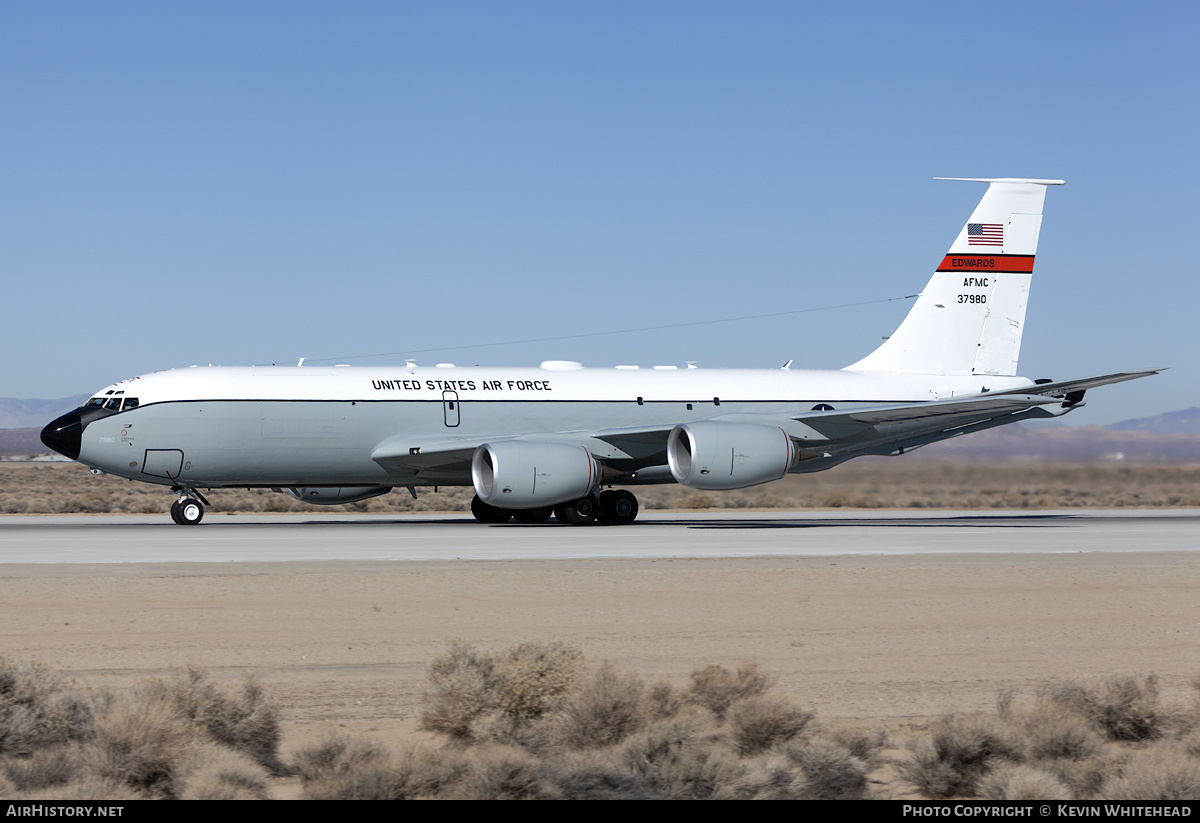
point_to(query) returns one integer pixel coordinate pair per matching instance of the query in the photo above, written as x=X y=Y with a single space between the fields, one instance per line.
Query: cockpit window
x=112 y=403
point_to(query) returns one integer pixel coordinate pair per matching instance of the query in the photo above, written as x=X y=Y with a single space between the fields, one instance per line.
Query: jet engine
x=713 y=455
x=520 y=474
x=333 y=495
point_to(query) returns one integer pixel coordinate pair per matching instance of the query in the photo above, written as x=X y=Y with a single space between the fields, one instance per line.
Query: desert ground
x=866 y=642
x=878 y=641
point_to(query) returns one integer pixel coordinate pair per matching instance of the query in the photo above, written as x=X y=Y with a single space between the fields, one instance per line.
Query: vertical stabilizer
x=969 y=318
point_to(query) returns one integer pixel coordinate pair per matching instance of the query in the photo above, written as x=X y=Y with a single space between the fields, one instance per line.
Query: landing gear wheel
x=540 y=515
x=190 y=511
x=175 y=513
x=579 y=513
x=617 y=508
x=486 y=513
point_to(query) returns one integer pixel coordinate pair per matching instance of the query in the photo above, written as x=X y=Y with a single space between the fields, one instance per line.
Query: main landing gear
x=188 y=510
x=614 y=507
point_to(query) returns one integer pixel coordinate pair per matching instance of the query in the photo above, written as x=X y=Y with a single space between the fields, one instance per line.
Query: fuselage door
x=450 y=407
x=163 y=463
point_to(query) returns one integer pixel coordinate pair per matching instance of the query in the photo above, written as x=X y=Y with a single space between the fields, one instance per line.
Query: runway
x=341 y=537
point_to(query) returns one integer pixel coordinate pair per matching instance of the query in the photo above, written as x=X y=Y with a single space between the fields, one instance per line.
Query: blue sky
x=243 y=183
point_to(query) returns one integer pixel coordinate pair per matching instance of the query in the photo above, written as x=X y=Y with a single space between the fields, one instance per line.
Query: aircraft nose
x=65 y=435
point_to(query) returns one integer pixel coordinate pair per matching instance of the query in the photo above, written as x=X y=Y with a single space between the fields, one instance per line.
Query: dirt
x=891 y=641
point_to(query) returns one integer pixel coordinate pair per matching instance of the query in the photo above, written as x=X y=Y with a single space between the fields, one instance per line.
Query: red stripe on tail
x=996 y=263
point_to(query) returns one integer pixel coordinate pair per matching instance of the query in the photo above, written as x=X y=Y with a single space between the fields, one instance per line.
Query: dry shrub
x=805 y=770
x=38 y=707
x=684 y=757
x=1161 y=772
x=660 y=701
x=533 y=677
x=772 y=775
x=247 y=723
x=421 y=772
x=865 y=745
x=932 y=776
x=53 y=765
x=219 y=773
x=496 y=771
x=961 y=749
x=1190 y=741
x=716 y=688
x=1124 y=707
x=1051 y=731
x=589 y=775
x=459 y=691
x=1083 y=778
x=474 y=695
x=86 y=787
x=603 y=711
x=830 y=772
x=140 y=743
x=344 y=768
x=1015 y=782
x=760 y=722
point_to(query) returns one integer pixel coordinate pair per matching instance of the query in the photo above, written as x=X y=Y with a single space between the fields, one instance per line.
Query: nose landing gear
x=188 y=510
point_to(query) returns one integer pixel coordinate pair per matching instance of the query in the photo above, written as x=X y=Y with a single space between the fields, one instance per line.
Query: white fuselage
x=294 y=426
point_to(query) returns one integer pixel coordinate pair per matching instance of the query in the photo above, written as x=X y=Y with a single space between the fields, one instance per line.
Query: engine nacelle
x=713 y=455
x=333 y=495
x=520 y=474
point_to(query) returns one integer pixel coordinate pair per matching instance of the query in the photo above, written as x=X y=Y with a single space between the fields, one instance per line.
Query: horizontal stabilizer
x=1068 y=386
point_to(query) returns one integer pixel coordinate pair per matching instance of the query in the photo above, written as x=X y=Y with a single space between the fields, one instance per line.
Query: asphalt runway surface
x=428 y=537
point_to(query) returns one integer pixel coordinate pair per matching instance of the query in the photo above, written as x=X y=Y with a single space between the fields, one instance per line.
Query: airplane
x=555 y=440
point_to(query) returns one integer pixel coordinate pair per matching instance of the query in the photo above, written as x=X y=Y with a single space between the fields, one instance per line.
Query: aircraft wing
x=839 y=422
x=447 y=455
x=845 y=433
x=636 y=442
x=894 y=428
x=451 y=456
x=898 y=428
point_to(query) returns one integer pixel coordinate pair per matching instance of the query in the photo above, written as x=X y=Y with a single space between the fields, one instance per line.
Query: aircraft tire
x=617 y=508
x=175 y=513
x=191 y=511
x=486 y=513
x=539 y=515
x=579 y=513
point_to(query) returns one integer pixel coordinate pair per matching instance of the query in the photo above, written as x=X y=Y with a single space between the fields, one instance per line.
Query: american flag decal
x=985 y=234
